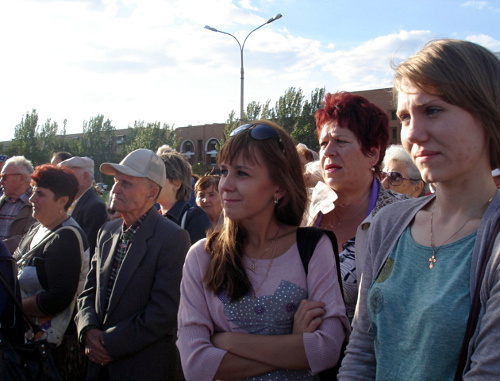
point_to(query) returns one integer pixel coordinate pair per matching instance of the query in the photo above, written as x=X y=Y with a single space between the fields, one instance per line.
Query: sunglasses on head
x=259 y=132
x=395 y=178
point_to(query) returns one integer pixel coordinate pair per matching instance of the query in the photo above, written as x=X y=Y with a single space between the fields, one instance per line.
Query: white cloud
x=486 y=41
x=153 y=60
x=476 y=4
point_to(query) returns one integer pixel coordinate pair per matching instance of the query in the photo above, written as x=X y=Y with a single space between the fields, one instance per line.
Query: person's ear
x=373 y=155
x=417 y=189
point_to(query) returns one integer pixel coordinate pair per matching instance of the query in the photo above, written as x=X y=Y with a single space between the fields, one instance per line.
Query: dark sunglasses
x=259 y=132
x=395 y=178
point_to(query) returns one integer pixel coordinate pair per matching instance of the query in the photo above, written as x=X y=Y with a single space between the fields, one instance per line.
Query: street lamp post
x=242 y=71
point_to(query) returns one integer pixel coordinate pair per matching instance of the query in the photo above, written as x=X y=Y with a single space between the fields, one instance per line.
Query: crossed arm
x=250 y=355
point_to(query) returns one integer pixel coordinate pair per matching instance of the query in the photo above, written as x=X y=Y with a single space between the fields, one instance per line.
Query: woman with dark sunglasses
x=353 y=135
x=248 y=310
x=400 y=174
x=429 y=304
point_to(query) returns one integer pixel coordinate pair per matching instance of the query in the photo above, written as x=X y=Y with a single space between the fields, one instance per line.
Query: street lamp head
x=278 y=16
x=210 y=28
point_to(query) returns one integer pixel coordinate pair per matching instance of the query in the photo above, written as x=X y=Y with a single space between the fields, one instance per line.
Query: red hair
x=366 y=120
x=59 y=179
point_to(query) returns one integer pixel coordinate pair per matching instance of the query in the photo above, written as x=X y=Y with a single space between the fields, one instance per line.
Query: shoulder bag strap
x=475 y=306
x=18 y=304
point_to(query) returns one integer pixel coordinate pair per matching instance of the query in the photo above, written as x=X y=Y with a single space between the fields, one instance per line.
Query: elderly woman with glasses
x=400 y=174
x=353 y=135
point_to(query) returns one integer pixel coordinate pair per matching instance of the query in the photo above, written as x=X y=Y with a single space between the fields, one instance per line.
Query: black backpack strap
x=307 y=240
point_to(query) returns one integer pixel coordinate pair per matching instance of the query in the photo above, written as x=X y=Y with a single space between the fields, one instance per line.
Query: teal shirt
x=419 y=314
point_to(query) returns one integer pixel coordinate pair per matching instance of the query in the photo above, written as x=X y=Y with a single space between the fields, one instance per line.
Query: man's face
x=14 y=182
x=132 y=196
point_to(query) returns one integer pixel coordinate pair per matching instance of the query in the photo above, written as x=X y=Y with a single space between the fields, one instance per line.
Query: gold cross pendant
x=432 y=260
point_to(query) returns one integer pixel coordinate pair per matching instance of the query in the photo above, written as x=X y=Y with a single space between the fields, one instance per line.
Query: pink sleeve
x=324 y=345
x=200 y=360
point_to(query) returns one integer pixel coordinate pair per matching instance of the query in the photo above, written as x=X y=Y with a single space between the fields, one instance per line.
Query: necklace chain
x=432 y=259
x=253 y=267
x=268 y=266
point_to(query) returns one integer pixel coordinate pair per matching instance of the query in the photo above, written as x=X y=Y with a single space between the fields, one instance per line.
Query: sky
x=152 y=60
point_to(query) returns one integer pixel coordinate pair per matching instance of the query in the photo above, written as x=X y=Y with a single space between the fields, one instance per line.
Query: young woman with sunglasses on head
x=248 y=310
x=400 y=174
x=429 y=305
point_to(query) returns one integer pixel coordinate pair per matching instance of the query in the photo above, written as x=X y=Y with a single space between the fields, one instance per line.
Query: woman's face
x=209 y=200
x=446 y=142
x=247 y=191
x=46 y=209
x=344 y=165
x=407 y=186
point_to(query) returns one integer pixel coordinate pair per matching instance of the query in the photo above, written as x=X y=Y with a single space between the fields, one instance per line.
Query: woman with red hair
x=353 y=135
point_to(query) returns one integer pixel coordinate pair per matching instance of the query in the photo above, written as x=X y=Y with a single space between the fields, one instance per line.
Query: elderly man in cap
x=127 y=313
x=88 y=209
x=15 y=208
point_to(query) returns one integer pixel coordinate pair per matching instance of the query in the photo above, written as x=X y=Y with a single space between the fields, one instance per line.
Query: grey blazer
x=141 y=320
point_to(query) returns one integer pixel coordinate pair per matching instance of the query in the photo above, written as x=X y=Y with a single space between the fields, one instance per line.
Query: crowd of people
x=361 y=261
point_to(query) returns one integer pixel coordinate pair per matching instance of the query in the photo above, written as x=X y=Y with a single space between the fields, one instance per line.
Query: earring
x=372 y=169
x=276 y=201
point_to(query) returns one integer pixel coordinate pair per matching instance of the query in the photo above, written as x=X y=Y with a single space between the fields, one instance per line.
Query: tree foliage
x=33 y=141
x=98 y=142
x=150 y=136
x=292 y=111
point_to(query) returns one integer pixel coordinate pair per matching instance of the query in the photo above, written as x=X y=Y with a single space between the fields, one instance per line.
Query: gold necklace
x=253 y=267
x=435 y=249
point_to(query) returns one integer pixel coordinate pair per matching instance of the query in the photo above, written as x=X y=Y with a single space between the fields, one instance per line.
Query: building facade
x=199 y=143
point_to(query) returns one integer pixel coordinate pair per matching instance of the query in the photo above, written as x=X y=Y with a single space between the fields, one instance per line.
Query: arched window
x=187 y=149
x=211 y=151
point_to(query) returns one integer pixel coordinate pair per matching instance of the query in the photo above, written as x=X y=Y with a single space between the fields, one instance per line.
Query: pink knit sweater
x=269 y=312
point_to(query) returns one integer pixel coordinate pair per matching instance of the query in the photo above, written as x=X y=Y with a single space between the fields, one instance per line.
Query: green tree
x=98 y=143
x=231 y=123
x=66 y=144
x=288 y=108
x=151 y=136
x=305 y=127
x=292 y=111
x=25 y=138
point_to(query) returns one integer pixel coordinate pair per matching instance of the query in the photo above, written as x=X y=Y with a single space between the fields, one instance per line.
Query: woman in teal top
x=422 y=255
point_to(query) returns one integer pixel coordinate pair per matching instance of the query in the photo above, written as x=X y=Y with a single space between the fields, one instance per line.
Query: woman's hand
x=308 y=316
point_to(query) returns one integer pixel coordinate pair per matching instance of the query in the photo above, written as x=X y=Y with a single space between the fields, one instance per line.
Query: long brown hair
x=226 y=245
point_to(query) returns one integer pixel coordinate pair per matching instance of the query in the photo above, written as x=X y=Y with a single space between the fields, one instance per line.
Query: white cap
x=79 y=162
x=139 y=163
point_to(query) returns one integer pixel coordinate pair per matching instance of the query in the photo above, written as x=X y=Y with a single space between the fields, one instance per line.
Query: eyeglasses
x=3 y=176
x=395 y=178
x=259 y=132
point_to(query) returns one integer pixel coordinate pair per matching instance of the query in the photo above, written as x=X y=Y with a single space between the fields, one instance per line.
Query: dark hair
x=279 y=155
x=463 y=74
x=366 y=120
x=62 y=156
x=207 y=181
x=178 y=168
x=59 y=179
